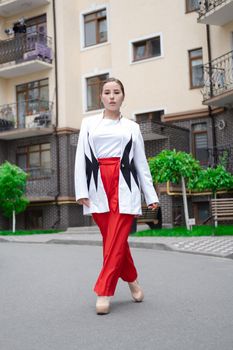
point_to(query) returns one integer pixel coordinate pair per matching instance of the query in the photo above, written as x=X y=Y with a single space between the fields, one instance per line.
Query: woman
x=110 y=171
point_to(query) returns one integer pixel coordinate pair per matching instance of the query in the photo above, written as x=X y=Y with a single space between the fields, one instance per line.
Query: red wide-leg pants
x=115 y=228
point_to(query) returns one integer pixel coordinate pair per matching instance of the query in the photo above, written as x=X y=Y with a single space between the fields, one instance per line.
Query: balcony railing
x=222 y=154
x=26 y=47
x=25 y=115
x=209 y=5
x=216 y=12
x=218 y=76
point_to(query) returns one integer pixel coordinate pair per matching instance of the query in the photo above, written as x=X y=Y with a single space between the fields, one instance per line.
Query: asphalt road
x=47 y=303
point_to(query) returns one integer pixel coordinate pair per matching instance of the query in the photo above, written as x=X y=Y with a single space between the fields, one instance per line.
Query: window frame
x=93 y=9
x=28 y=152
x=191 y=59
x=26 y=91
x=187 y=7
x=147 y=38
x=37 y=21
x=198 y=132
x=85 y=94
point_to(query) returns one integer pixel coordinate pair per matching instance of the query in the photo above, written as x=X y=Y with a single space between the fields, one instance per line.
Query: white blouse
x=107 y=138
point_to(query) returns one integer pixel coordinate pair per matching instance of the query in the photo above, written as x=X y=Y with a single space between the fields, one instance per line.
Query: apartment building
x=210 y=129
x=54 y=57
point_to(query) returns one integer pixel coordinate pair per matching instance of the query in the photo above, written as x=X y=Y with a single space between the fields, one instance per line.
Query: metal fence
x=222 y=154
x=26 y=47
x=218 y=76
x=26 y=114
x=208 y=5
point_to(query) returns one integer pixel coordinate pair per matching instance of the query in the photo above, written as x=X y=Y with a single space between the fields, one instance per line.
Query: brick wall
x=3 y=151
x=188 y=125
x=224 y=136
x=166 y=206
x=173 y=137
x=168 y=136
x=35 y=186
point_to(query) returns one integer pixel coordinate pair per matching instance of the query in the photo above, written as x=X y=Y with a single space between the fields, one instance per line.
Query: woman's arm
x=143 y=172
x=81 y=190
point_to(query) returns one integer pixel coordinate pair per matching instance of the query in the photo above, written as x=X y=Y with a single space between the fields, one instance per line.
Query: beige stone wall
x=3 y=95
x=221 y=39
x=157 y=83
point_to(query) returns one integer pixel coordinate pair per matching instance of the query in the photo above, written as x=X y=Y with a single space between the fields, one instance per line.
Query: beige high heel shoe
x=102 y=305
x=136 y=291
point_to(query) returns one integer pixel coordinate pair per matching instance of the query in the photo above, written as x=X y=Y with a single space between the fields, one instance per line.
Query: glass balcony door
x=35 y=34
x=32 y=98
x=21 y=109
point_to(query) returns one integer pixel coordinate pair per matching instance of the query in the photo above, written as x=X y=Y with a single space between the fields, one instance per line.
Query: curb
x=142 y=245
x=157 y=246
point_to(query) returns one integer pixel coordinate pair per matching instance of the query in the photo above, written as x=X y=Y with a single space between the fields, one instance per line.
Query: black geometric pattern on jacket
x=92 y=166
x=128 y=168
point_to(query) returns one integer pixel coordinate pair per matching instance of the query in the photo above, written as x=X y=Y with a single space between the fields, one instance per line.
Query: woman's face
x=112 y=96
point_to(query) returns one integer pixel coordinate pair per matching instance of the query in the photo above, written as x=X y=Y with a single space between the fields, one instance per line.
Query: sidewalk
x=213 y=246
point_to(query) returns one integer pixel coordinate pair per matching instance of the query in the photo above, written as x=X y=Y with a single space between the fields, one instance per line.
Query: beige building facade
x=56 y=54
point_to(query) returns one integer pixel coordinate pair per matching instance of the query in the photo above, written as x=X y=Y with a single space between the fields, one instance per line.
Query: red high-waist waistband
x=108 y=161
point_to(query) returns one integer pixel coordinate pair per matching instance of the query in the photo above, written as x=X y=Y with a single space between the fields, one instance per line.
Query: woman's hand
x=84 y=201
x=153 y=206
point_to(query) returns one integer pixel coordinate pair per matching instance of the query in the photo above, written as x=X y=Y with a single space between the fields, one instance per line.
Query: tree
x=170 y=165
x=12 y=190
x=212 y=179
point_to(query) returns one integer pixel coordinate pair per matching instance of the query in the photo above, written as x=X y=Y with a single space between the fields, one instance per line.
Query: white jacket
x=134 y=170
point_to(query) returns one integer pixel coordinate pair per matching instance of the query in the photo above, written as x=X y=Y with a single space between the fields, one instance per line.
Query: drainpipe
x=210 y=114
x=56 y=120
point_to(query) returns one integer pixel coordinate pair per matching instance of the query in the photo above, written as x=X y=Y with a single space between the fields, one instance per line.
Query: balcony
x=26 y=119
x=10 y=8
x=218 y=81
x=215 y=12
x=25 y=54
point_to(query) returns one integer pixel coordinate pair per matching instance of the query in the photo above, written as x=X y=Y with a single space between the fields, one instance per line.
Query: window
x=94 y=85
x=35 y=159
x=36 y=23
x=201 y=212
x=150 y=116
x=147 y=48
x=36 y=30
x=34 y=219
x=32 y=98
x=196 y=68
x=200 y=142
x=95 y=28
x=192 y=5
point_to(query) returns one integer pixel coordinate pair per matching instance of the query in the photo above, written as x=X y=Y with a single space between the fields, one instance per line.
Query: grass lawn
x=221 y=230
x=27 y=232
